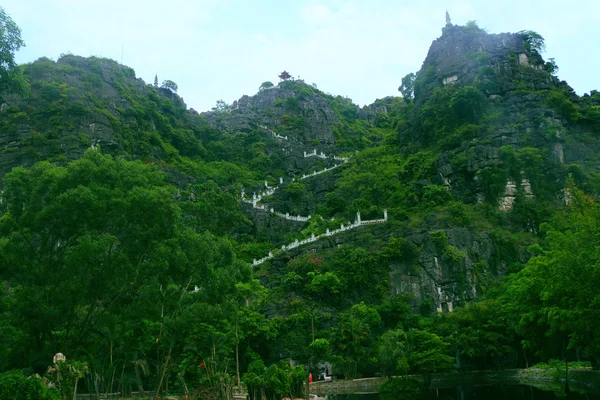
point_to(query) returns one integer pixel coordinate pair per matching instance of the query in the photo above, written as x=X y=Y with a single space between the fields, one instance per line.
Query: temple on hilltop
x=284 y=76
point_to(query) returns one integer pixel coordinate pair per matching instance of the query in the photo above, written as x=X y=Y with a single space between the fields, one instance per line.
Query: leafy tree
x=325 y=286
x=522 y=304
x=391 y=353
x=168 y=84
x=426 y=352
x=407 y=88
x=98 y=249
x=14 y=385
x=86 y=246
x=296 y=333
x=11 y=79
x=468 y=104
x=213 y=209
x=414 y=351
x=559 y=101
x=277 y=381
x=354 y=337
x=396 y=313
x=265 y=85
x=221 y=106
x=335 y=202
x=435 y=195
x=66 y=375
x=559 y=286
x=295 y=190
x=533 y=41
x=478 y=332
x=449 y=253
x=551 y=66
x=472 y=27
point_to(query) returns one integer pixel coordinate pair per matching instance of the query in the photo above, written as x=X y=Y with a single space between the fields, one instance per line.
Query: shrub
x=266 y=85
x=559 y=102
x=449 y=253
x=14 y=385
x=435 y=195
x=468 y=104
x=279 y=380
x=472 y=27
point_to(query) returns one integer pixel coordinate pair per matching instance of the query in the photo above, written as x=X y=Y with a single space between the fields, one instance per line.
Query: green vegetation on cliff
x=125 y=246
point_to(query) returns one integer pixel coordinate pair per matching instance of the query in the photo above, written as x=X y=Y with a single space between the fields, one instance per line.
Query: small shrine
x=284 y=76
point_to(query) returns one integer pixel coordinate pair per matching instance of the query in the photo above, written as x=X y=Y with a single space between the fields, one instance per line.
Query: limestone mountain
x=506 y=100
x=469 y=170
x=322 y=116
x=490 y=127
x=75 y=103
x=334 y=221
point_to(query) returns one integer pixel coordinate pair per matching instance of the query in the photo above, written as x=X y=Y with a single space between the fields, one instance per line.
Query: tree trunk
x=162 y=375
x=307 y=380
x=75 y=389
x=138 y=378
x=237 y=352
x=159 y=338
x=183 y=291
x=312 y=321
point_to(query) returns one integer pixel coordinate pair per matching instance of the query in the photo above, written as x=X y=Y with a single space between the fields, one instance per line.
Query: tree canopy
x=125 y=245
x=168 y=84
x=558 y=287
x=407 y=88
x=266 y=85
x=534 y=41
x=85 y=247
x=11 y=79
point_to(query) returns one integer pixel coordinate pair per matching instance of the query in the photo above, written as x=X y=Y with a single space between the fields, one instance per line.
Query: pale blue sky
x=223 y=49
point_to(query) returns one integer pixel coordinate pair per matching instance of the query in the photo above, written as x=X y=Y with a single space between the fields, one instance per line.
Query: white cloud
x=315 y=13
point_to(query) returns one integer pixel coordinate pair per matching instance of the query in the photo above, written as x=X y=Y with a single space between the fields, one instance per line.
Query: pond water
x=491 y=392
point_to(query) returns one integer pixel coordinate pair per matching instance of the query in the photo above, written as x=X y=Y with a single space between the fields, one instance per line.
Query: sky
x=223 y=49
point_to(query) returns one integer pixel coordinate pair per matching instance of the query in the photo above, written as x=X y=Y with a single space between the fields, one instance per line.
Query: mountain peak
x=466 y=54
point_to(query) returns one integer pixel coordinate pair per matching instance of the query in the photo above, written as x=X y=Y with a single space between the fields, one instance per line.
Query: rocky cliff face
x=280 y=108
x=269 y=106
x=511 y=148
x=76 y=103
x=496 y=118
x=429 y=277
x=462 y=54
x=526 y=107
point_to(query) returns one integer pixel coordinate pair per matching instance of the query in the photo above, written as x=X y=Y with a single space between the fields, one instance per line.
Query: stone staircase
x=270 y=190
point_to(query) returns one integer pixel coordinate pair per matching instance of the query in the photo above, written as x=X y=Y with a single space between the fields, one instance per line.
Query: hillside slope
x=481 y=153
x=293 y=224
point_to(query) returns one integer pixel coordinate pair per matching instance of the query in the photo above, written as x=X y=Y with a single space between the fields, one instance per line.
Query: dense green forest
x=125 y=244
